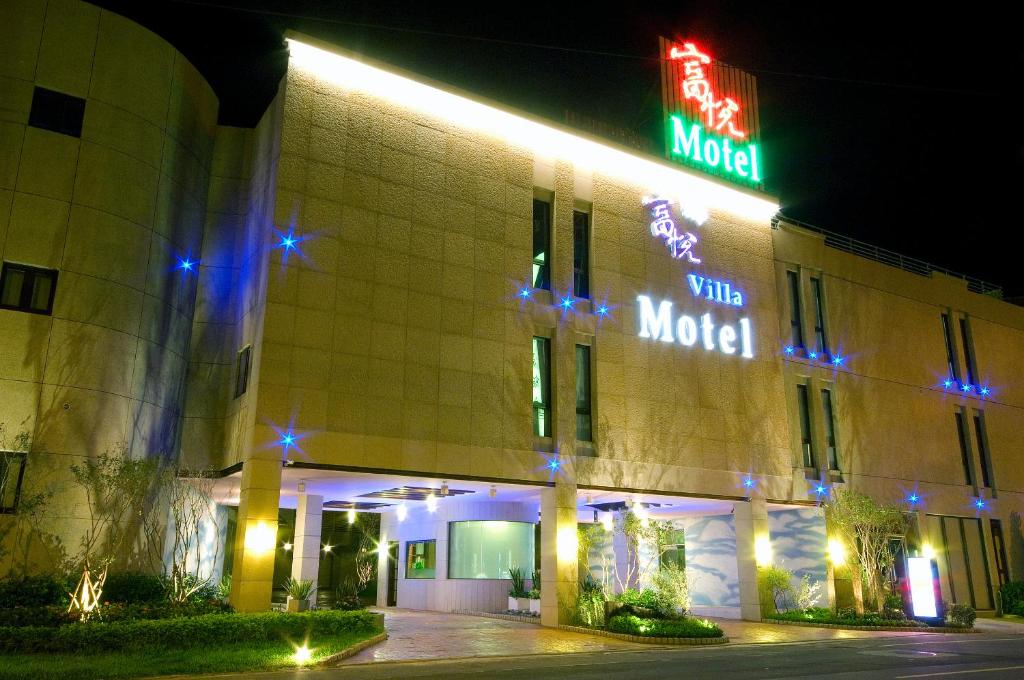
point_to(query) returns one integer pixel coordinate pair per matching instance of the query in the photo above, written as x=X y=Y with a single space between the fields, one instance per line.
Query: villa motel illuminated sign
x=714 y=142
x=659 y=324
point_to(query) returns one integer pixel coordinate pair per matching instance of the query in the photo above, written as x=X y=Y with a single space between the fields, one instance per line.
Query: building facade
x=392 y=297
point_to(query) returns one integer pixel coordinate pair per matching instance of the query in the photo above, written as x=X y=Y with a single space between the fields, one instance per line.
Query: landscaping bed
x=826 y=618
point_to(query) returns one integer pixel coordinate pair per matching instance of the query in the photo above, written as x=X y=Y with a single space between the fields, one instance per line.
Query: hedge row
x=53 y=616
x=689 y=628
x=211 y=629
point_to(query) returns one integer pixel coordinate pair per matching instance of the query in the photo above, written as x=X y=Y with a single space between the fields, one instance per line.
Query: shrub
x=1012 y=595
x=962 y=615
x=590 y=603
x=684 y=627
x=673 y=592
x=185 y=632
x=299 y=588
x=893 y=608
x=53 y=616
x=34 y=591
x=133 y=587
x=776 y=585
x=346 y=595
x=1018 y=609
x=49 y=616
x=807 y=594
x=646 y=598
x=518 y=588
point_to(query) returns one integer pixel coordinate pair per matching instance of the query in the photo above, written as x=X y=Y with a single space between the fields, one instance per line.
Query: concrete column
x=751 y=520
x=383 y=573
x=306 y=549
x=256 y=537
x=558 y=553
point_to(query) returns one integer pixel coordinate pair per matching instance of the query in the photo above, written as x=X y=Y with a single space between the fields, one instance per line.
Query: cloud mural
x=800 y=544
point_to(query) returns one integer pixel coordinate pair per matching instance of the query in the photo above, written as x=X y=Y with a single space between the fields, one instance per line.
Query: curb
x=535 y=620
x=353 y=650
x=882 y=629
x=647 y=640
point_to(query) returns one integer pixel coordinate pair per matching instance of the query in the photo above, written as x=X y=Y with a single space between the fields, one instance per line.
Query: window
x=985 y=459
x=541 y=244
x=487 y=549
x=675 y=549
x=27 y=289
x=796 y=322
x=57 y=112
x=242 y=371
x=420 y=559
x=583 y=419
x=806 y=443
x=999 y=548
x=947 y=334
x=581 y=254
x=830 y=429
x=542 y=387
x=819 y=317
x=12 y=469
x=965 y=453
x=965 y=337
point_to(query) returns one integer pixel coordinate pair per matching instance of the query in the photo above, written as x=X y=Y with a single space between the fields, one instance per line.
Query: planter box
x=535 y=606
x=518 y=604
x=297 y=605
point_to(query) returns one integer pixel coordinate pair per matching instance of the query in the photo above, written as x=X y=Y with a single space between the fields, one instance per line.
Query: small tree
x=868 y=527
x=191 y=508
x=640 y=533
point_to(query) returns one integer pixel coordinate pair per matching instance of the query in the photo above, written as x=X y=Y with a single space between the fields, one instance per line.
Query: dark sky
x=896 y=127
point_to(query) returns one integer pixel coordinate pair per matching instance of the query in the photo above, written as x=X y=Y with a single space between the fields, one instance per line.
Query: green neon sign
x=692 y=142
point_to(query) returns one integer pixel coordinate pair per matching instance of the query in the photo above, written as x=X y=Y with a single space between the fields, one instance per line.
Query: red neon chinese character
x=695 y=86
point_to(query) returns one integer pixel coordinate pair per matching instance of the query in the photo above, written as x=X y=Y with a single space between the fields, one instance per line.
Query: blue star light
x=913 y=499
x=820 y=490
x=186 y=264
x=812 y=355
x=789 y=350
x=287 y=439
x=602 y=310
x=967 y=387
x=288 y=241
x=748 y=483
x=947 y=383
x=979 y=503
x=567 y=302
x=838 y=360
x=554 y=464
x=985 y=391
x=525 y=292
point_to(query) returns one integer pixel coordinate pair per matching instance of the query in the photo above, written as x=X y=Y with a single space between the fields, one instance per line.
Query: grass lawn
x=259 y=656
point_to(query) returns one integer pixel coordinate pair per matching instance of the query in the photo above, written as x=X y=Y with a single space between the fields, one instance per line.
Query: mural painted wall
x=800 y=544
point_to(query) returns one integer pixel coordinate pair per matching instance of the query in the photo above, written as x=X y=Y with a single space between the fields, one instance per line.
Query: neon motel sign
x=709 y=142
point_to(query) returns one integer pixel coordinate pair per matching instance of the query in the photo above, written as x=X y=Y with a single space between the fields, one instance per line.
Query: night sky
x=890 y=126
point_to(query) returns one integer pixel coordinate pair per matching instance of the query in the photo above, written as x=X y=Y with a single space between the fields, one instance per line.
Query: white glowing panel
x=690 y=188
x=922 y=588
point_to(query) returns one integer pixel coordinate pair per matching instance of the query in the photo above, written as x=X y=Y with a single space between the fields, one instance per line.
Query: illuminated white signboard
x=922 y=587
x=686 y=330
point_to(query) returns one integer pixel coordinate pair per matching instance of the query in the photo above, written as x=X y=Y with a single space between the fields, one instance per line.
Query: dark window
x=830 y=429
x=819 y=317
x=965 y=337
x=583 y=417
x=581 y=254
x=999 y=548
x=242 y=375
x=806 y=443
x=796 y=322
x=12 y=469
x=965 y=453
x=541 y=244
x=947 y=334
x=27 y=289
x=420 y=559
x=542 y=387
x=57 y=112
x=984 y=458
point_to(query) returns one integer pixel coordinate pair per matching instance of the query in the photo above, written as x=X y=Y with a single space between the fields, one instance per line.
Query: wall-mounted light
x=327 y=548
x=444 y=489
x=762 y=550
x=351 y=515
x=492 y=492
x=260 y=537
x=287 y=546
x=836 y=552
x=927 y=551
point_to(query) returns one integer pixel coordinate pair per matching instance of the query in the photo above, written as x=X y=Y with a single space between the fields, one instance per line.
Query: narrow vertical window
x=819 y=317
x=541 y=244
x=984 y=458
x=806 y=442
x=796 y=322
x=541 y=387
x=581 y=253
x=242 y=371
x=583 y=401
x=965 y=338
x=947 y=334
x=12 y=470
x=830 y=429
x=965 y=453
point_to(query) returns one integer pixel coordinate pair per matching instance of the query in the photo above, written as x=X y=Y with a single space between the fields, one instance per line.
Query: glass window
x=12 y=469
x=583 y=416
x=27 y=289
x=57 y=112
x=541 y=244
x=796 y=322
x=542 y=387
x=242 y=371
x=819 y=317
x=830 y=429
x=985 y=459
x=488 y=549
x=965 y=452
x=950 y=357
x=420 y=559
x=675 y=552
x=806 y=443
x=965 y=337
x=581 y=253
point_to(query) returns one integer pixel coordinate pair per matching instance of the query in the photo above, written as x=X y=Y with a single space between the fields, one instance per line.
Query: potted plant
x=300 y=591
x=518 y=597
x=535 y=593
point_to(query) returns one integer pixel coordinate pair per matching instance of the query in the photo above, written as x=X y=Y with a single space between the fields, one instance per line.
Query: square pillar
x=751 y=520
x=252 y=575
x=558 y=553
x=306 y=549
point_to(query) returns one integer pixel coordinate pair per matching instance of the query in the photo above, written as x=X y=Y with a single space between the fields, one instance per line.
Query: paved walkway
x=418 y=635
